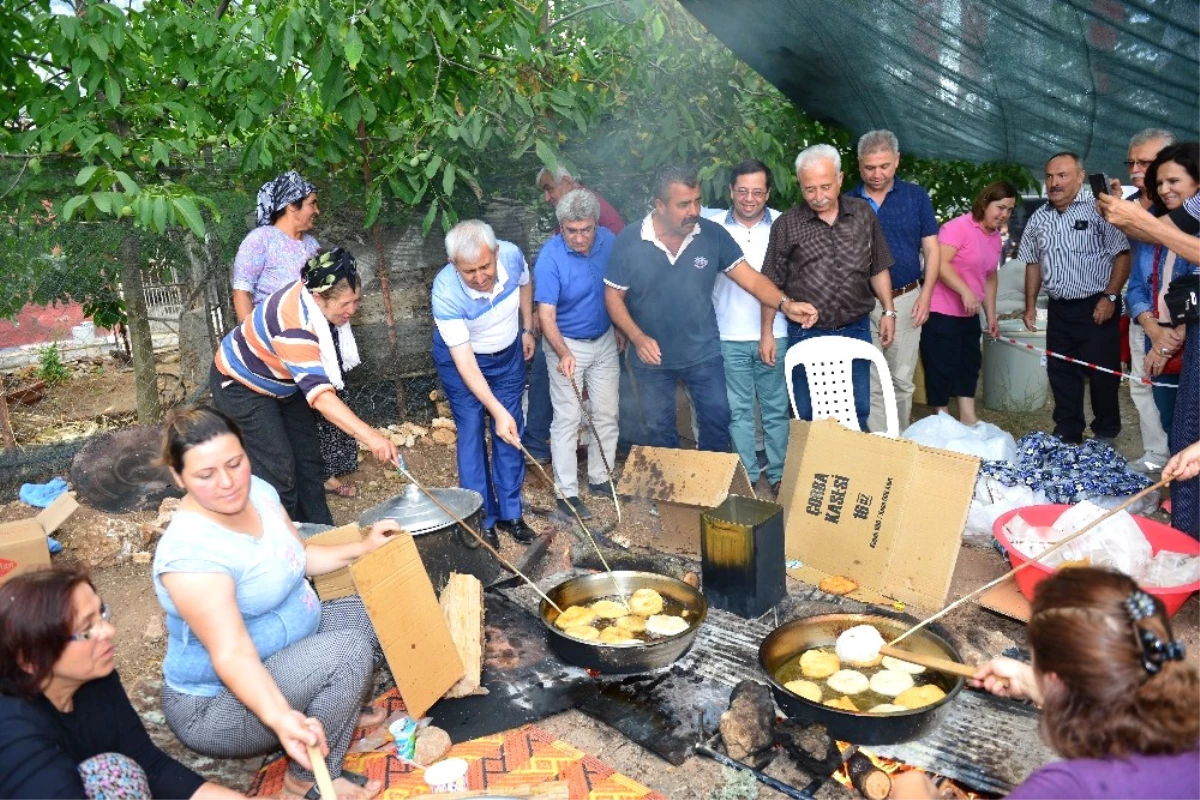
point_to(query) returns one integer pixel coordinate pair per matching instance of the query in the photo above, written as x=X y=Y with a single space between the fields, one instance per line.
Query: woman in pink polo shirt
x=950 y=338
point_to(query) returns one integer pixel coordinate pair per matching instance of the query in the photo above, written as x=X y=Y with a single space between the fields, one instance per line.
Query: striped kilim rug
x=520 y=757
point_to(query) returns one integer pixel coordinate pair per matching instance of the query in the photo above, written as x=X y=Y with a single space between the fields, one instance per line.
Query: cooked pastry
x=609 y=609
x=890 y=682
x=844 y=703
x=887 y=708
x=919 y=696
x=848 y=681
x=806 y=689
x=665 y=625
x=585 y=632
x=819 y=664
x=614 y=635
x=897 y=665
x=632 y=623
x=646 y=602
x=837 y=584
x=575 y=615
x=859 y=646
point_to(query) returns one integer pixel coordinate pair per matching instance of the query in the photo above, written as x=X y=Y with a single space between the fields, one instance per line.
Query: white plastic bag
x=993 y=499
x=981 y=439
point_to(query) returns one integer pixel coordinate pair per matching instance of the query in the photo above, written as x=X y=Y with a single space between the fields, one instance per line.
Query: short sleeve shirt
x=1074 y=248
x=739 y=314
x=907 y=217
x=574 y=285
x=976 y=257
x=490 y=322
x=268 y=259
x=671 y=298
x=827 y=265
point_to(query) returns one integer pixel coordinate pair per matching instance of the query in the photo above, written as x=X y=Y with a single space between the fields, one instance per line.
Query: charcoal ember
x=810 y=746
x=747 y=728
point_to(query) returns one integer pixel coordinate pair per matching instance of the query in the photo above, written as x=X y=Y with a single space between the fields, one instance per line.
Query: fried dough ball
x=614 y=635
x=897 y=665
x=859 y=646
x=848 y=681
x=575 y=615
x=806 y=689
x=819 y=664
x=919 y=696
x=585 y=632
x=837 y=584
x=887 y=708
x=632 y=623
x=646 y=602
x=665 y=625
x=889 y=682
x=844 y=703
x=609 y=609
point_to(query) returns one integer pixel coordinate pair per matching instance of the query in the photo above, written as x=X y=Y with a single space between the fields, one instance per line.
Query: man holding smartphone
x=1083 y=263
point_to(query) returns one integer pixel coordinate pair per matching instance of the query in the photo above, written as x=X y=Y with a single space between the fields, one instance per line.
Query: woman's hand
x=970 y=302
x=993 y=327
x=382 y=448
x=379 y=535
x=1163 y=337
x=296 y=732
x=1184 y=465
x=1007 y=677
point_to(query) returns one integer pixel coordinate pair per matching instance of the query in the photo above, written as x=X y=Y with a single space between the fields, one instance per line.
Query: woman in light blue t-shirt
x=254 y=660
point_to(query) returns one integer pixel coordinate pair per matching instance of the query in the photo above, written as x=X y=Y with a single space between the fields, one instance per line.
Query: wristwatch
x=889 y=313
x=783 y=300
x=1112 y=298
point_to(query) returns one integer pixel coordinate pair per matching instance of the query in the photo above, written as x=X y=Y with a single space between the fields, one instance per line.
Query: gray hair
x=876 y=141
x=818 y=152
x=558 y=175
x=468 y=238
x=1149 y=135
x=577 y=204
x=670 y=174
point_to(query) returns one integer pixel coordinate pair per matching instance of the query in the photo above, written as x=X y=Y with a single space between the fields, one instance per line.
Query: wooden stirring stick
x=321 y=773
x=1032 y=560
x=928 y=661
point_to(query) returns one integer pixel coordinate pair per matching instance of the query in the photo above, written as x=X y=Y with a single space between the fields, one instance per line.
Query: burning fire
x=947 y=788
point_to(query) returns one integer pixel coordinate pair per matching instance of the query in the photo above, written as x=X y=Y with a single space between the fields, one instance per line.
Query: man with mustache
x=1083 y=262
x=832 y=250
x=659 y=293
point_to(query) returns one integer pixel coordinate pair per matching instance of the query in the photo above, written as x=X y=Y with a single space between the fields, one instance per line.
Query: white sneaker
x=1148 y=463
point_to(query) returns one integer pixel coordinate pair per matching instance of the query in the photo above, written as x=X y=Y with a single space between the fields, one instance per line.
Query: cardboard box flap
x=687 y=477
x=408 y=620
x=333 y=585
x=55 y=514
x=23 y=547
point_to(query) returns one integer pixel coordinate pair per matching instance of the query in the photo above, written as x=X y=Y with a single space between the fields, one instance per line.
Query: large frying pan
x=793 y=638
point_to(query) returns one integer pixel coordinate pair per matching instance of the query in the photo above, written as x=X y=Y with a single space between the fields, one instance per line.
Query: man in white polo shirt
x=753 y=337
x=483 y=317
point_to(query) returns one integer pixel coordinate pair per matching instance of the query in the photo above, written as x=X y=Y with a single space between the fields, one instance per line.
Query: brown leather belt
x=906 y=289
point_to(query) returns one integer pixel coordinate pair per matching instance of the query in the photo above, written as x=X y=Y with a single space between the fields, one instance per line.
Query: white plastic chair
x=827 y=362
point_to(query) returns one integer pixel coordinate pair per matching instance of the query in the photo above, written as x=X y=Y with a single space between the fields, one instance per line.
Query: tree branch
x=221 y=9
x=45 y=62
x=579 y=11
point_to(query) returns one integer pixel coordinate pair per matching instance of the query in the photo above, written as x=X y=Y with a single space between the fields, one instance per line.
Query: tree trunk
x=145 y=378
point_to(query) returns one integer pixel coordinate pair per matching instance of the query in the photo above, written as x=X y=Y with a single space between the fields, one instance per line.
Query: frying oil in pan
x=791 y=671
x=671 y=607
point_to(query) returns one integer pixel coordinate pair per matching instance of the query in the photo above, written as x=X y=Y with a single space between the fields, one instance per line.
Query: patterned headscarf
x=288 y=188
x=328 y=267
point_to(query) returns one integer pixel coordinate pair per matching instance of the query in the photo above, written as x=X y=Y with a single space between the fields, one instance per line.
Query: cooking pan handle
x=465 y=539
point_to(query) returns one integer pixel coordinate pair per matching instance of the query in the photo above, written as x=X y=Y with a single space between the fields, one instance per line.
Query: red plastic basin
x=1161 y=537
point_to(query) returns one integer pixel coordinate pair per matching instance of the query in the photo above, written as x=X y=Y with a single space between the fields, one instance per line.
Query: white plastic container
x=448 y=775
x=1014 y=379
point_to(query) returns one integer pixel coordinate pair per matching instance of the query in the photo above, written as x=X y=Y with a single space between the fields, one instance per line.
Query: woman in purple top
x=971 y=247
x=1119 y=703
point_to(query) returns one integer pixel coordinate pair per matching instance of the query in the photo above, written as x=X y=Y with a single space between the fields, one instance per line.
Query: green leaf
x=656 y=28
x=99 y=46
x=353 y=45
x=448 y=180
x=160 y=215
x=186 y=209
x=373 y=208
x=546 y=154
x=84 y=176
x=112 y=91
x=427 y=223
x=72 y=205
x=127 y=182
x=433 y=166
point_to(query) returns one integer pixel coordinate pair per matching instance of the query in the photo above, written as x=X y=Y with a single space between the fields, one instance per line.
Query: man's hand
x=528 y=343
x=1103 y=311
x=648 y=351
x=536 y=326
x=887 y=331
x=1115 y=188
x=970 y=302
x=1030 y=319
x=506 y=428
x=1127 y=215
x=800 y=312
x=766 y=348
x=621 y=340
x=382 y=448
x=566 y=365
x=920 y=310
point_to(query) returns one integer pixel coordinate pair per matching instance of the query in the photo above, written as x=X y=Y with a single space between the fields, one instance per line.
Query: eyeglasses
x=1138 y=163
x=90 y=633
x=757 y=194
x=588 y=231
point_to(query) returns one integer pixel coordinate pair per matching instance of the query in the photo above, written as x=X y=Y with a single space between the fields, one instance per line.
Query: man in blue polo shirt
x=580 y=345
x=906 y=215
x=483 y=317
x=659 y=293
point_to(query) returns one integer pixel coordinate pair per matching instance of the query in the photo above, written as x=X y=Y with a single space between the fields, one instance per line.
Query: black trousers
x=280 y=436
x=1071 y=331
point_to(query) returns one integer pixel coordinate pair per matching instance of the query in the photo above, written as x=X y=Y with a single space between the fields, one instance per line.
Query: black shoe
x=775 y=489
x=564 y=506
x=602 y=489
x=489 y=536
x=517 y=529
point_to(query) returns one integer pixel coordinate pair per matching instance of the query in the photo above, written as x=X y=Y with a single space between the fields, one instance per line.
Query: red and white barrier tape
x=1088 y=364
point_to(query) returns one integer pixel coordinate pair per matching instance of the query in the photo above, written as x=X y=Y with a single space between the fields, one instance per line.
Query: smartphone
x=1099 y=183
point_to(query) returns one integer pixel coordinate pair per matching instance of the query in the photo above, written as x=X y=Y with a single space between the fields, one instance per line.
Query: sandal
x=344 y=490
x=369 y=712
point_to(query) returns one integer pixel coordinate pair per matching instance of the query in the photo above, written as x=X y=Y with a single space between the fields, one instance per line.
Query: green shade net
x=978 y=80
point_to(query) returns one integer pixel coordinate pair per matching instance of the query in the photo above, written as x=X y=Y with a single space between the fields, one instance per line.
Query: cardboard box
x=408 y=620
x=333 y=585
x=886 y=513
x=23 y=544
x=684 y=484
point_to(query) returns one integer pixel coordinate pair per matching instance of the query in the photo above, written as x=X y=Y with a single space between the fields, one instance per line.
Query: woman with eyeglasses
x=1118 y=701
x=280 y=365
x=67 y=728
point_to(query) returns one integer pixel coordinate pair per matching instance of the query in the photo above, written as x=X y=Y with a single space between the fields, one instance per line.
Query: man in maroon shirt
x=554 y=186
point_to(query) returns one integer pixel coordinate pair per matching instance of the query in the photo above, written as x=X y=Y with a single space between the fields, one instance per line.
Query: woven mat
x=523 y=756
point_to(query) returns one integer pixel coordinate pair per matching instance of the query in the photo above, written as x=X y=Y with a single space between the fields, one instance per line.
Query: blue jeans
x=540 y=413
x=749 y=380
x=656 y=388
x=1164 y=399
x=860 y=371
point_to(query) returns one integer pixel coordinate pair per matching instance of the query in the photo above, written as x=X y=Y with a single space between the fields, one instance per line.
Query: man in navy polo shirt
x=659 y=293
x=580 y=346
x=906 y=215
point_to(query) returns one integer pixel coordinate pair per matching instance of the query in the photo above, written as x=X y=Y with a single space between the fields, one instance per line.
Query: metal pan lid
x=417 y=514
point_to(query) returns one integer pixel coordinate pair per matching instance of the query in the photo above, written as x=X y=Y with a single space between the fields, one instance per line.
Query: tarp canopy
x=978 y=80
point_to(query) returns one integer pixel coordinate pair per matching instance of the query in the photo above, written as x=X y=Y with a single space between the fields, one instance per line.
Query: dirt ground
x=100 y=395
